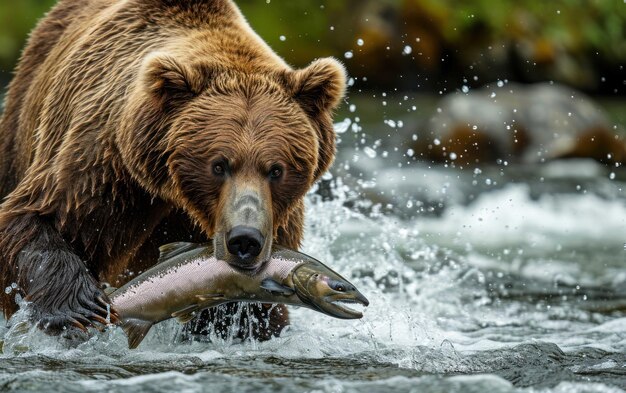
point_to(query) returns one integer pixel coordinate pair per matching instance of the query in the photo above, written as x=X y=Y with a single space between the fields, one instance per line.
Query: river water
x=503 y=279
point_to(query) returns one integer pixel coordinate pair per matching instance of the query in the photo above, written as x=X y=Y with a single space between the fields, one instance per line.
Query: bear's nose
x=244 y=242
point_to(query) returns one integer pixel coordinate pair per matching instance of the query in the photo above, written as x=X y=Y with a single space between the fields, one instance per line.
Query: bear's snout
x=244 y=243
x=244 y=235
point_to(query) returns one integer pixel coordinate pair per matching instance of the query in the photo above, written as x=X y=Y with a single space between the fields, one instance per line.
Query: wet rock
x=510 y=123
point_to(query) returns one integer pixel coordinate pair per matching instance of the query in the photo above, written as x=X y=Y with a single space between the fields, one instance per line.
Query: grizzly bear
x=133 y=123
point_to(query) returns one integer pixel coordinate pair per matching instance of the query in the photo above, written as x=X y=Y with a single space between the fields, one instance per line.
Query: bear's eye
x=276 y=172
x=219 y=168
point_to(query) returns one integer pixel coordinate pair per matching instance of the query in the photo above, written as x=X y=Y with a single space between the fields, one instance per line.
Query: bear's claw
x=80 y=308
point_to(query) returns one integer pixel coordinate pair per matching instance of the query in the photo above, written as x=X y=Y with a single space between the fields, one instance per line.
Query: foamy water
x=496 y=296
x=497 y=279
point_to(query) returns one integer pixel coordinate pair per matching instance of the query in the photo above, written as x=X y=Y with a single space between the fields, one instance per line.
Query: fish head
x=328 y=292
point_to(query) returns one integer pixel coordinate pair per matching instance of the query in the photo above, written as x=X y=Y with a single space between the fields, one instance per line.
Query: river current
x=503 y=279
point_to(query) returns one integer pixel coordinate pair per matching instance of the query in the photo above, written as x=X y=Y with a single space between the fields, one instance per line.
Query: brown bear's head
x=236 y=150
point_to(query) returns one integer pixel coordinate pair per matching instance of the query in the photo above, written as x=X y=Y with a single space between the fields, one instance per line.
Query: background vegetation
x=422 y=44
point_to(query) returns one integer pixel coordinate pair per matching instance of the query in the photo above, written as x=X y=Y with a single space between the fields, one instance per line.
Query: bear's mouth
x=248 y=269
x=245 y=258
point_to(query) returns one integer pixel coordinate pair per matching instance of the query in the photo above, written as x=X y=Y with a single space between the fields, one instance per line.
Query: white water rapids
x=513 y=292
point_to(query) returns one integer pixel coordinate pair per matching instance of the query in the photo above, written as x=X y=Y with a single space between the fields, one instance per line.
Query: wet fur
x=111 y=123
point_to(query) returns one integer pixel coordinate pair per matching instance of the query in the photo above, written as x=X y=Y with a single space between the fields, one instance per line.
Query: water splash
x=476 y=291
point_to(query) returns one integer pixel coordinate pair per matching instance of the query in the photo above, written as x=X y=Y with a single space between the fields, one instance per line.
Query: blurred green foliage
x=579 y=42
x=17 y=18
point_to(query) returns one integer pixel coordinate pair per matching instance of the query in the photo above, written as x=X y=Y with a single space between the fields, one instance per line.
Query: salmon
x=188 y=278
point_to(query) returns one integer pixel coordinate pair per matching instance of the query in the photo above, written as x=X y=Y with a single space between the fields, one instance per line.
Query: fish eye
x=337 y=286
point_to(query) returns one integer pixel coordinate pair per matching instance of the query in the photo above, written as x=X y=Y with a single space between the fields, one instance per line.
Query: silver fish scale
x=154 y=296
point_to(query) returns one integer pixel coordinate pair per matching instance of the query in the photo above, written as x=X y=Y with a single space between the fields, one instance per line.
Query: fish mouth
x=339 y=307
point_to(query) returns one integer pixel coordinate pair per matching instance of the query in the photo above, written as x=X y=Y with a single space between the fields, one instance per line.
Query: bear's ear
x=320 y=86
x=168 y=80
x=318 y=89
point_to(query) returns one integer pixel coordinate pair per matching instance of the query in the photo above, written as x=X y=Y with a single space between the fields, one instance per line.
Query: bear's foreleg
x=61 y=290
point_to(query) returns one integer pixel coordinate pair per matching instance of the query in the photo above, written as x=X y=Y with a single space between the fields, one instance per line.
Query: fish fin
x=136 y=330
x=186 y=314
x=186 y=317
x=170 y=250
x=209 y=297
x=270 y=285
x=109 y=290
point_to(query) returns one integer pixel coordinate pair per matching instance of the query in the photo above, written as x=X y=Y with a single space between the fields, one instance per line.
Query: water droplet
x=410 y=152
x=390 y=123
x=360 y=42
x=452 y=156
x=8 y=290
x=465 y=89
x=407 y=50
x=352 y=108
x=343 y=126
x=348 y=55
x=371 y=153
x=108 y=318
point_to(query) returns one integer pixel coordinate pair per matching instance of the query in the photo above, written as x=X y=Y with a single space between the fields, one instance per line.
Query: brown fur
x=115 y=117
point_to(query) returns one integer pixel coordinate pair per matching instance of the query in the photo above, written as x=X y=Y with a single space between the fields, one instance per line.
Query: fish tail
x=136 y=330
